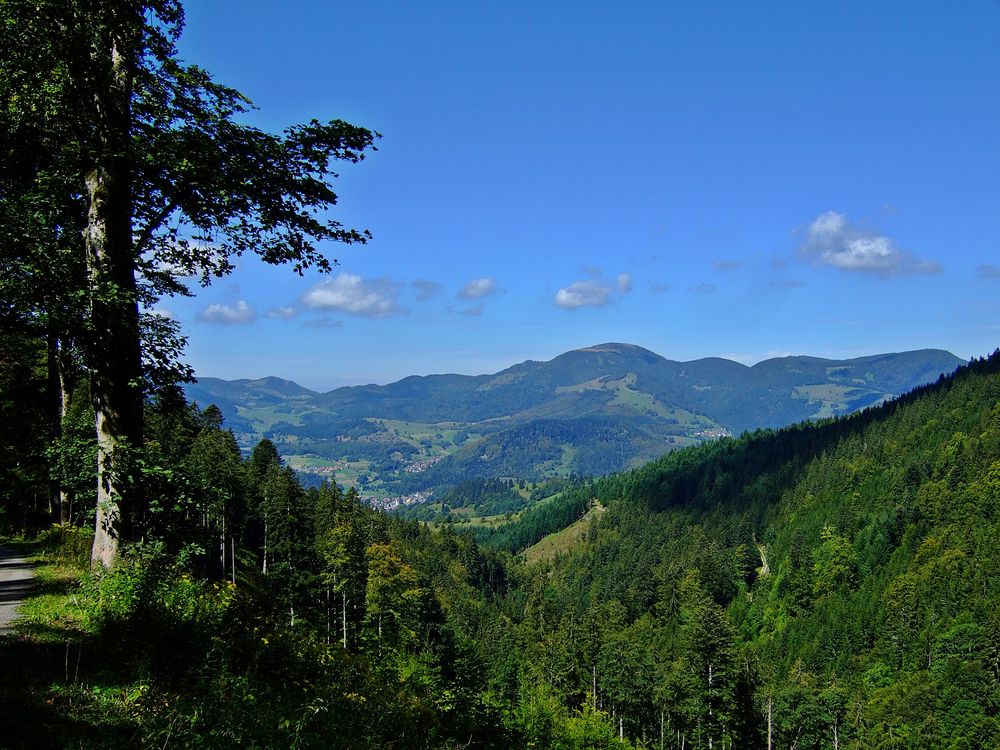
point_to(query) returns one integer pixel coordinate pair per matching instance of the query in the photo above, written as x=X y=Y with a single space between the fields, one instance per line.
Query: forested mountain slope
x=875 y=626
x=591 y=411
x=257 y=612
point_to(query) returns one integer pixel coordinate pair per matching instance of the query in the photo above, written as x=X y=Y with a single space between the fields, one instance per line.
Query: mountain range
x=588 y=411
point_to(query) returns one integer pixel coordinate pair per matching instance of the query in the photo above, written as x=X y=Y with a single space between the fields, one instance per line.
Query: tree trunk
x=116 y=368
x=58 y=402
x=67 y=385
x=222 y=545
x=343 y=597
x=769 y=734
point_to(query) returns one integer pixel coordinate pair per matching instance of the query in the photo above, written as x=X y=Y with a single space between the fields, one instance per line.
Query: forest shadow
x=48 y=679
x=8 y=563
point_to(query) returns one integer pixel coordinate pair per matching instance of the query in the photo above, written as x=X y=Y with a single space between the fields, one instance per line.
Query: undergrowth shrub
x=67 y=544
x=151 y=602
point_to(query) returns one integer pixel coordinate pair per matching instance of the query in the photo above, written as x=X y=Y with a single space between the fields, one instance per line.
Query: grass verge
x=54 y=689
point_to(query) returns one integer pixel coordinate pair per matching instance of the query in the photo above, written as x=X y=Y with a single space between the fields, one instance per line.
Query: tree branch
x=144 y=237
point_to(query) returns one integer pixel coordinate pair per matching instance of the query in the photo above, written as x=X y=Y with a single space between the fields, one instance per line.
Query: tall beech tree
x=141 y=156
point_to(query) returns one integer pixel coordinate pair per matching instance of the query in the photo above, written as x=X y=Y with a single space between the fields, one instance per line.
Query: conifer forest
x=830 y=584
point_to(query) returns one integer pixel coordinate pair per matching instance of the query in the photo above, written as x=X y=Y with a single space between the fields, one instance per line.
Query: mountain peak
x=614 y=346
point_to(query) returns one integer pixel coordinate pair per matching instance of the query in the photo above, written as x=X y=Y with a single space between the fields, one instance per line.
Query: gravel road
x=16 y=576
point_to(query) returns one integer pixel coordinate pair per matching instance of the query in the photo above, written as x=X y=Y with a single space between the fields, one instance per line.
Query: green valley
x=588 y=412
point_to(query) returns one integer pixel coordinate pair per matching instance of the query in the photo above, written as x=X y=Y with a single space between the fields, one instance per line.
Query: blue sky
x=703 y=179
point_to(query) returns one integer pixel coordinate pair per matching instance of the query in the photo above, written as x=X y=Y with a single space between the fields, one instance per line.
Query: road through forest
x=16 y=579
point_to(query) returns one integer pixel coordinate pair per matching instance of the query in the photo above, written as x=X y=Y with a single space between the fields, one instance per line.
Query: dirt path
x=16 y=578
x=765 y=569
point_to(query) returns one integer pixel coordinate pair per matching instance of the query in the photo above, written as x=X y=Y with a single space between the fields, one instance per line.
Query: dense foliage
x=827 y=585
x=256 y=612
x=830 y=585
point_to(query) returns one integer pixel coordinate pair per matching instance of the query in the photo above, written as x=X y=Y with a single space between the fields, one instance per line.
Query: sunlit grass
x=564 y=540
x=54 y=612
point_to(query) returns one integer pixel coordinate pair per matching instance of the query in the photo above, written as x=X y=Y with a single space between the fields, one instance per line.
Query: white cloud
x=479 y=288
x=595 y=292
x=162 y=312
x=583 y=294
x=287 y=312
x=347 y=292
x=238 y=313
x=832 y=241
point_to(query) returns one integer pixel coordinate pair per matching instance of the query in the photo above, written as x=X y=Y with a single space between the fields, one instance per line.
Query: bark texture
x=116 y=367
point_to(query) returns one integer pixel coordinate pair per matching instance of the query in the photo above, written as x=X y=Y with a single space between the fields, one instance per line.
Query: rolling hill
x=589 y=411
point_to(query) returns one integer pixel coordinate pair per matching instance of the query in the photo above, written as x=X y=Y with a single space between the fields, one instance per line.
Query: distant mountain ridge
x=650 y=403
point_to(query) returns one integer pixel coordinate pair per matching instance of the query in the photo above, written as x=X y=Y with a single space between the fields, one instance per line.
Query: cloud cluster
x=832 y=241
x=238 y=313
x=583 y=294
x=593 y=292
x=988 y=271
x=479 y=288
x=349 y=293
